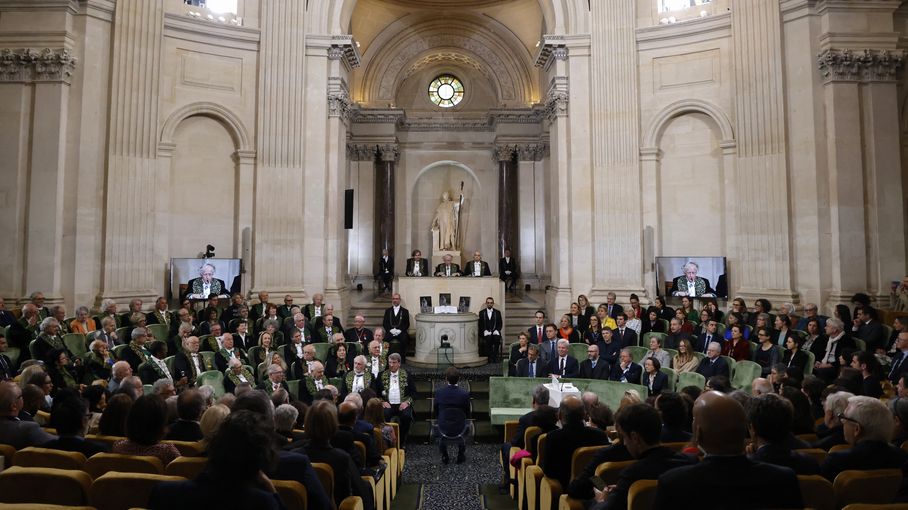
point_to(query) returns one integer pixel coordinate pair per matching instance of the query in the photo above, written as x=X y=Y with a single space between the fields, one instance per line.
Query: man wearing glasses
x=16 y=433
x=594 y=367
x=867 y=425
x=810 y=311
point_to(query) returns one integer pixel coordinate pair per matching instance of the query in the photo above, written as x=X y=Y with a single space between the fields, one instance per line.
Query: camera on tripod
x=444 y=342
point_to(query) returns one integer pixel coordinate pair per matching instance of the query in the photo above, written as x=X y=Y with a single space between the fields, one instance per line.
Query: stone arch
x=660 y=121
x=230 y=120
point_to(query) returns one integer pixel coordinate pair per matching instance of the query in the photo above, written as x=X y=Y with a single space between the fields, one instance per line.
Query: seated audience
x=767 y=353
x=656 y=351
x=563 y=364
x=685 y=360
x=62 y=372
x=867 y=426
x=871 y=378
x=737 y=347
x=561 y=443
x=448 y=398
x=13 y=431
x=113 y=418
x=211 y=421
x=653 y=378
x=83 y=323
x=69 y=417
x=99 y=362
x=285 y=419
x=594 y=367
x=541 y=415
x=145 y=428
x=802 y=418
x=190 y=406
x=713 y=364
x=770 y=419
x=626 y=370
x=833 y=433
x=674 y=413
x=795 y=357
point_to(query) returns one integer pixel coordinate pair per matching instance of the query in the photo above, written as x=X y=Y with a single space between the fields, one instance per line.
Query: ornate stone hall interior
x=587 y=137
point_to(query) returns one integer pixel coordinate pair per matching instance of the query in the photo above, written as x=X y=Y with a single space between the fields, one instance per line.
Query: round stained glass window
x=446 y=91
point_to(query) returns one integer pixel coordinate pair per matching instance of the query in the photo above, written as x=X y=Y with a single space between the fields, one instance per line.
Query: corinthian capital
x=860 y=65
x=30 y=65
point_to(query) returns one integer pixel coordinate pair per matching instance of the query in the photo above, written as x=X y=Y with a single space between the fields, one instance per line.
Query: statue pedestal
x=462 y=332
x=438 y=255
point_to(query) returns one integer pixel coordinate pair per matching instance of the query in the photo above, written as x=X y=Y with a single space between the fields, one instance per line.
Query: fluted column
x=615 y=201
x=508 y=206
x=385 y=210
x=129 y=263
x=761 y=192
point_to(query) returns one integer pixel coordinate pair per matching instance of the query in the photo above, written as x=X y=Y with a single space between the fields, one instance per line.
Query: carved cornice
x=441 y=124
x=533 y=115
x=503 y=153
x=553 y=47
x=361 y=151
x=389 y=152
x=339 y=105
x=343 y=47
x=534 y=151
x=860 y=65
x=30 y=65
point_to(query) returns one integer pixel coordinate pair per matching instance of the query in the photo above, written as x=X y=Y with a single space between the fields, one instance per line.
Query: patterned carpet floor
x=454 y=486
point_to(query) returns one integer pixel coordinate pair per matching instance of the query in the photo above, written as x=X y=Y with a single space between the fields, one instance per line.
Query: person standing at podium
x=416 y=265
x=478 y=267
x=447 y=268
x=397 y=322
x=490 y=326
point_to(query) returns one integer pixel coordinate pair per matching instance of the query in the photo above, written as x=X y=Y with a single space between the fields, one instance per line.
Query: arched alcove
x=430 y=183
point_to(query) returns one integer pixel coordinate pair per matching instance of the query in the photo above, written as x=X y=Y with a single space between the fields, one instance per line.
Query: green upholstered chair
x=743 y=376
x=159 y=331
x=75 y=342
x=644 y=341
x=686 y=379
x=672 y=378
x=215 y=379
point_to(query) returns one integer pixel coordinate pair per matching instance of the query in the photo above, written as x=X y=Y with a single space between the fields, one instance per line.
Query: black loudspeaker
x=348 y=209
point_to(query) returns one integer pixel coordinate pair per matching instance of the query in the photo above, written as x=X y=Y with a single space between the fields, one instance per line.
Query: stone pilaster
x=508 y=201
x=385 y=202
x=129 y=263
x=761 y=192
x=614 y=199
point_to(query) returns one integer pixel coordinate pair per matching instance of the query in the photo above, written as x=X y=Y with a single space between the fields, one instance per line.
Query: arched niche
x=425 y=196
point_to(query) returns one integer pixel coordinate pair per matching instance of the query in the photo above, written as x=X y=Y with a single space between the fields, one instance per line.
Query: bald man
x=726 y=478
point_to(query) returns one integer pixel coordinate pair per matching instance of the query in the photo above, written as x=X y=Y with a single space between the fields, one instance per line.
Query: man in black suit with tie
x=868 y=328
x=447 y=398
x=532 y=365
x=416 y=265
x=396 y=322
x=626 y=370
x=385 y=273
x=477 y=267
x=7 y=371
x=536 y=332
x=594 y=367
x=490 y=326
x=507 y=271
x=564 y=365
x=626 y=337
x=726 y=477
x=707 y=336
x=713 y=363
x=611 y=306
x=900 y=360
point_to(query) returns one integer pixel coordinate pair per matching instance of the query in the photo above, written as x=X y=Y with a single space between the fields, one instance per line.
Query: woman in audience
x=240 y=454
x=738 y=347
x=630 y=397
x=566 y=331
x=653 y=377
x=735 y=318
x=795 y=358
x=760 y=306
x=651 y=323
x=803 y=418
x=586 y=309
x=633 y=322
x=593 y=333
x=713 y=308
x=212 y=319
x=113 y=418
x=842 y=313
x=687 y=308
x=763 y=321
x=136 y=320
x=83 y=323
x=767 y=353
x=815 y=340
x=99 y=362
x=665 y=312
x=62 y=372
x=211 y=421
x=146 y=426
x=705 y=317
x=685 y=361
x=656 y=351
x=519 y=351
x=273 y=326
x=96 y=397
x=339 y=365
x=577 y=320
x=686 y=325
x=259 y=356
x=40 y=378
x=604 y=320
x=375 y=416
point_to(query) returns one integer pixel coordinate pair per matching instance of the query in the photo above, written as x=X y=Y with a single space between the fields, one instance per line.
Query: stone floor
x=452 y=486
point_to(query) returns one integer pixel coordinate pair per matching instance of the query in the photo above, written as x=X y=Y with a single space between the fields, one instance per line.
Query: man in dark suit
x=639 y=428
x=6 y=317
x=827 y=365
x=626 y=370
x=540 y=407
x=396 y=323
x=507 y=271
x=448 y=398
x=612 y=308
x=16 y=433
x=594 y=367
x=564 y=365
x=416 y=265
x=537 y=330
x=160 y=314
x=190 y=406
x=189 y=363
x=260 y=309
x=7 y=371
x=447 y=268
x=70 y=418
x=726 y=477
x=477 y=266
x=561 y=443
x=900 y=359
x=206 y=284
x=346 y=436
x=385 y=272
x=275 y=381
x=359 y=334
x=626 y=337
x=867 y=327
x=713 y=363
x=708 y=335
x=532 y=365
x=490 y=326
x=286 y=309
x=24 y=330
x=867 y=424
x=770 y=419
x=675 y=335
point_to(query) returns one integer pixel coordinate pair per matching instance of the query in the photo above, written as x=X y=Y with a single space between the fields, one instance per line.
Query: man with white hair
x=564 y=365
x=833 y=433
x=164 y=388
x=316 y=308
x=109 y=309
x=131 y=386
x=285 y=419
x=136 y=353
x=689 y=284
x=236 y=374
x=14 y=432
x=37 y=298
x=867 y=425
x=135 y=307
x=227 y=352
x=108 y=333
x=314 y=382
x=713 y=363
x=275 y=380
x=811 y=312
x=359 y=378
x=761 y=386
x=24 y=330
x=59 y=312
x=359 y=334
x=120 y=370
x=477 y=266
x=50 y=339
x=206 y=284
x=826 y=366
x=377 y=360
x=189 y=363
x=396 y=389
